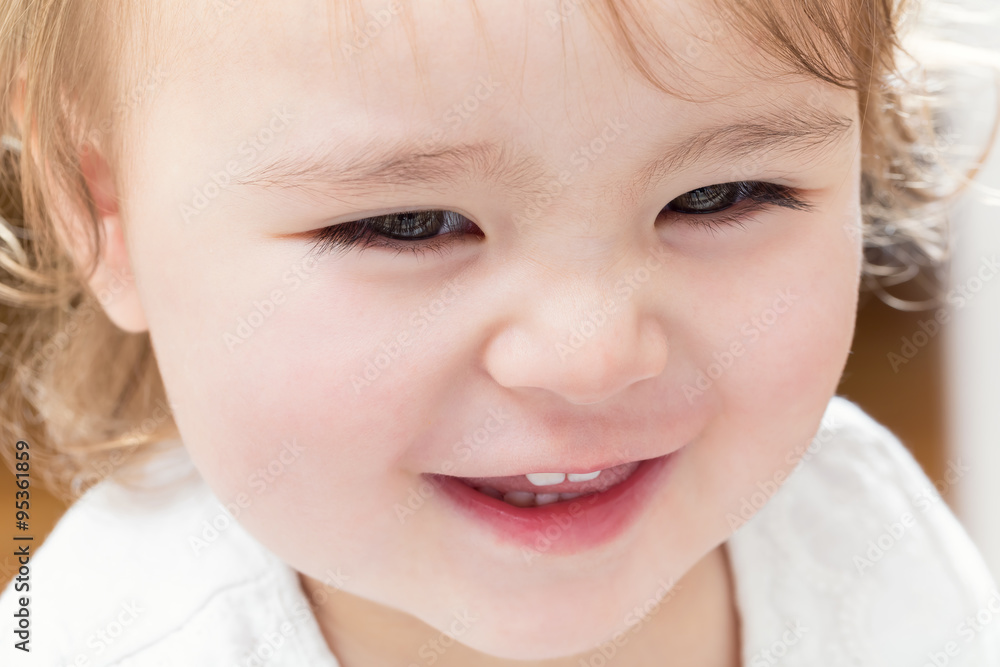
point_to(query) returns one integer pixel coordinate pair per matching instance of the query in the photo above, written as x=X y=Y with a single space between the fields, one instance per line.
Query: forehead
x=454 y=70
x=427 y=48
x=387 y=54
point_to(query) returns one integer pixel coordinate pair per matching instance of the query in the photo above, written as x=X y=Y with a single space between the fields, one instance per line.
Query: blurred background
x=938 y=390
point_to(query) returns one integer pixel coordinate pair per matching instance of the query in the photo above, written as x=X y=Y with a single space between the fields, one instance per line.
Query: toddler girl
x=479 y=333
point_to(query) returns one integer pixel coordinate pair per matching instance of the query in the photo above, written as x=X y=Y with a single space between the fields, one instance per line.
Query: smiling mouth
x=547 y=488
x=565 y=513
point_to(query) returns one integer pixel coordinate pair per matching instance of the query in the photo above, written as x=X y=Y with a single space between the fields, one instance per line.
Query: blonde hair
x=89 y=397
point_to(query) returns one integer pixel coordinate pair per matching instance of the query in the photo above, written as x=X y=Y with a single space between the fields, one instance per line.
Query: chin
x=535 y=638
x=557 y=621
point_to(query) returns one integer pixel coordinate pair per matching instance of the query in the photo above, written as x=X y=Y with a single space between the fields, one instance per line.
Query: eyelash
x=753 y=197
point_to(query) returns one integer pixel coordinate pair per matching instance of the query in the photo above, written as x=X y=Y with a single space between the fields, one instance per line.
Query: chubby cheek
x=270 y=413
x=769 y=370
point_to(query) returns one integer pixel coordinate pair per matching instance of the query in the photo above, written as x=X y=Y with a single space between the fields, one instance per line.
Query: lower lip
x=566 y=527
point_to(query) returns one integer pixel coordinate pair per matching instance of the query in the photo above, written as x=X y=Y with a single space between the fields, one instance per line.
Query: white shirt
x=855 y=560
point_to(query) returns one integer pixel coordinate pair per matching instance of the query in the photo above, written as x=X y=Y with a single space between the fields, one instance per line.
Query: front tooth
x=491 y=492
x=520 y=498
x=546 y=498
x=583 y=476
x=569 y=496
x=546 y=478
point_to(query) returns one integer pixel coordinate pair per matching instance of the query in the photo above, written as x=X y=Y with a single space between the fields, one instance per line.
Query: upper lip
x=572 y=446
x=575 y=468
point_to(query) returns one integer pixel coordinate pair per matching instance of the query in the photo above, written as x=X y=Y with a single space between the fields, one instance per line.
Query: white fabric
x=824 y=576
x=860 y=554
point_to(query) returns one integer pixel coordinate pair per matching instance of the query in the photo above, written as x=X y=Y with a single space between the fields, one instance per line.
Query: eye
x=415 y=225
x=413 y=231
x=709 y=199
x=420 y=231
x=745 y=197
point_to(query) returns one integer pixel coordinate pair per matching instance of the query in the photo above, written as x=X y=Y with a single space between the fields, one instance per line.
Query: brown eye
x=710 y=199
x=413 y=231
x=416 y=225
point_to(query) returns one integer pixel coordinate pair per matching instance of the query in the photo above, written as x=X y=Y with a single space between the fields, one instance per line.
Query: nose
x=580 y=338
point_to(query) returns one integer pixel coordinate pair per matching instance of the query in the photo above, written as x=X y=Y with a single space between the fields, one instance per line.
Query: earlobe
x=112 y=280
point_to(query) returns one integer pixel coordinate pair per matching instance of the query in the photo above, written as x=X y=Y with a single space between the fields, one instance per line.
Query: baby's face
x=580 y=308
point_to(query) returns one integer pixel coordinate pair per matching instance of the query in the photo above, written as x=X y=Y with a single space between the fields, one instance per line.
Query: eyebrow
x=380 y=163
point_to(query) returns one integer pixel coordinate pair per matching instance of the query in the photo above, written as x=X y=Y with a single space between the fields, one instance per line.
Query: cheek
x=769 y=392
x=802 y=324
x=265 y=365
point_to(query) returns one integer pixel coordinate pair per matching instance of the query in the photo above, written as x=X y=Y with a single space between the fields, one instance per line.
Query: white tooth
x=490 y=491
x=569 y=496
x=583 y=476
x=520 y=498
x=546 y=478
x=546 y=498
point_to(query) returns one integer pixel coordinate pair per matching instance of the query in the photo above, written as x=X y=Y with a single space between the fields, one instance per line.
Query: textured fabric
x=860 y=555
x=855 y=560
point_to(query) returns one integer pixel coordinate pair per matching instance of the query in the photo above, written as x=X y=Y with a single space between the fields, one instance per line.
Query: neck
x=698 y=626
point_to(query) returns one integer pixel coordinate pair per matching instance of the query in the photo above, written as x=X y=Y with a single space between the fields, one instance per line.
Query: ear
x=112 y=280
